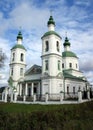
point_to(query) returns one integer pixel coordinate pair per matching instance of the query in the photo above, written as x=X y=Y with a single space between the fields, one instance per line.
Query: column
x=88 y=95
x=32 y=89
x=24 y=98
x=20 y=93
x=46 y=97
x=26 y=89
x=34 y=97
x=5 y=95
x=11 y=95
x=61 y=96
x=39 y=88
x=79 y=96
x=15 y=96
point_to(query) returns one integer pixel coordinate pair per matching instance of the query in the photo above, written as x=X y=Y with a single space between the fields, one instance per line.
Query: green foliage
x=46 y=117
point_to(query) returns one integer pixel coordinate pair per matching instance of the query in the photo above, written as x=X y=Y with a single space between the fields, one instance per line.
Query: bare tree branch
x=2 y=58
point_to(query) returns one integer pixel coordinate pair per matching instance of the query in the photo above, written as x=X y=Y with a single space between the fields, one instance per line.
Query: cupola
x=19 y=36
x=51 y=21
x=66 y=43
x=51 y=24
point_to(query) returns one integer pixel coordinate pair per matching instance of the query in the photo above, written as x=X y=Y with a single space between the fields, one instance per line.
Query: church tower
x=51 y=60
x=17 y=61
x=70 y=60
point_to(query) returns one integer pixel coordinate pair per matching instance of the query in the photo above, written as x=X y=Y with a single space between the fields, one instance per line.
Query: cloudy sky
x=72 y=16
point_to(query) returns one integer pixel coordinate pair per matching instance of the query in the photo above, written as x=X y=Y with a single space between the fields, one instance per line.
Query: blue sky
x=72 y=16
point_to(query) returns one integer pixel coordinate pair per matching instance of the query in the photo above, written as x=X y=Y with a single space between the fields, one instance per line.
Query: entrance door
x=29 y=91
x=35 y=90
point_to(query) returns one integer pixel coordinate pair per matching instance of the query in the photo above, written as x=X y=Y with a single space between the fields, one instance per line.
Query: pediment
x=35 y=69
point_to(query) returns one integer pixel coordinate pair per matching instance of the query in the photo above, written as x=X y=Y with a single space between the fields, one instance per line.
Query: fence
x=71 y=96
x=50 y=97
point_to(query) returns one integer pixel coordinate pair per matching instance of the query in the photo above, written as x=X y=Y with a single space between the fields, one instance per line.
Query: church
x=59 y=71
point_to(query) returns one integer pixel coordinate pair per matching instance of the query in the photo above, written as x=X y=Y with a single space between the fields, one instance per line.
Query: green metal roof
x=68 y=54
x=50 y=33
x=66 y=43
x=18 y=46
x=67 y=75
x=51 y=21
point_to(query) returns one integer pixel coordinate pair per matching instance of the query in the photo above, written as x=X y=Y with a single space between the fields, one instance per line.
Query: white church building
x=59 y=71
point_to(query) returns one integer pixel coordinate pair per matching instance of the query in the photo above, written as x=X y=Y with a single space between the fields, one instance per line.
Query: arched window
x=67 y=89
x=12 y=71
x=73 y=90
x=58 y=64
x=46 y=64
x=13 y=57
x=62 y=65
x=70 y=65
x=22 y=57
x=57 y=46
x=21 y=71
x=46 y=46
x=76 y=65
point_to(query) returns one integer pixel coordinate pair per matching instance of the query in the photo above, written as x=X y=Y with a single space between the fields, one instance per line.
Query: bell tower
x=51 y=60
x=17 y=61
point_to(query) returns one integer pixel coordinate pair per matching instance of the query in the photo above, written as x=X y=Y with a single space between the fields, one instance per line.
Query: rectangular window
x=46 y=64
x=70 y=65
x=58 y=64
x=21 y=71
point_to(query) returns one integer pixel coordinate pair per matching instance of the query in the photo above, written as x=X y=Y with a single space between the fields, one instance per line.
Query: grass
x=46 y=117
x=17 y=108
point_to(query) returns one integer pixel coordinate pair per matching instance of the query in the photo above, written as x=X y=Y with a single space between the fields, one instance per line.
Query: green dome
x=50 y=33
x=18 y=46
x=19 y=35
x=51 y=21
x=68 y=54
x=66 y=43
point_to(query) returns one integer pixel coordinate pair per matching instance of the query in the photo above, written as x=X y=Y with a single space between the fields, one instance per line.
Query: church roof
x=18 y=46
x=68 y=54
x=67 y=75
x=50 y=33
x=35 y=69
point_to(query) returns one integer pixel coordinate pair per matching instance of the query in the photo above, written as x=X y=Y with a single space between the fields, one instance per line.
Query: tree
x=2 y=58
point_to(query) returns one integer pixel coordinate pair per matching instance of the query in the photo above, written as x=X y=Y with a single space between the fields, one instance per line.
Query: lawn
x=46 y=117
